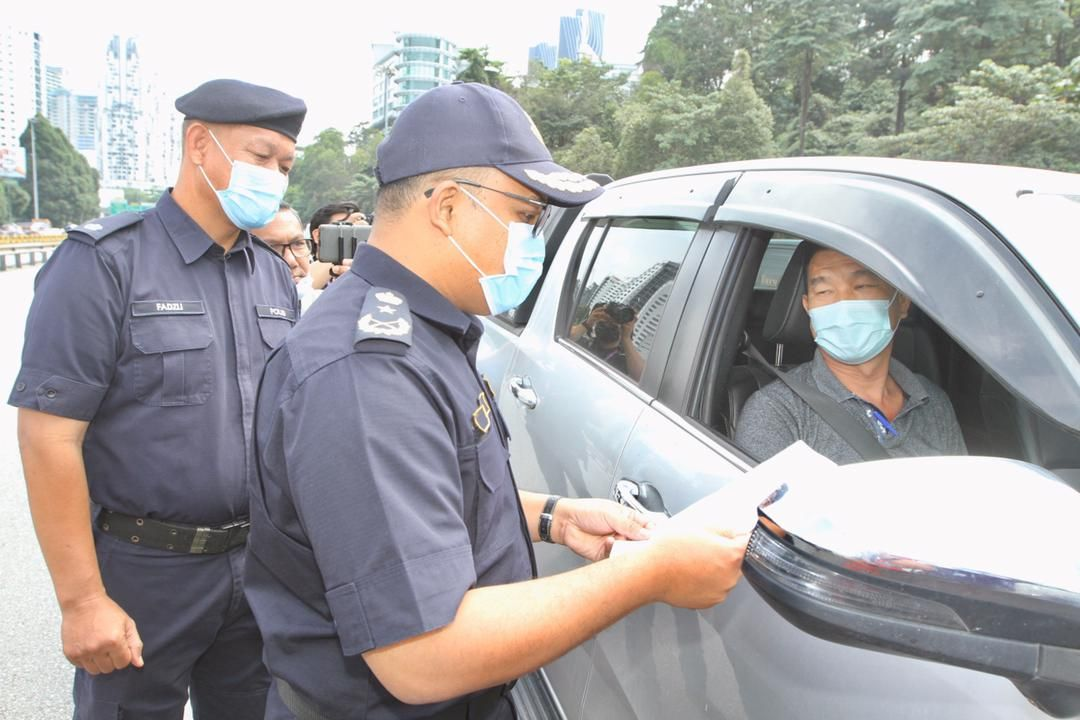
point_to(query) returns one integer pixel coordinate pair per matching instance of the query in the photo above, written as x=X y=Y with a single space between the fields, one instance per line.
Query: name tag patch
x=148 y=308
x=270 y=311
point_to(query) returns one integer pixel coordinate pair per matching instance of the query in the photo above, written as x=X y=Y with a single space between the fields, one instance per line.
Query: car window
x=622 y=289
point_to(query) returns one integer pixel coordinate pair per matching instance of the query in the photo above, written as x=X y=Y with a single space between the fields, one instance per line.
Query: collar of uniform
x=190 y=239
x=831 y=385
x=381 y=270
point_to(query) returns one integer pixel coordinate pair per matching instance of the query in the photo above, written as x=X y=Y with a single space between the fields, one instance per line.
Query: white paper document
x=735 y=505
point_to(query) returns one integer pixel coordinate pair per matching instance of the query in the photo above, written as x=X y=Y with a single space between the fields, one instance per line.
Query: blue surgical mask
x=523 y=263
x=254 y=193
x=853 y=331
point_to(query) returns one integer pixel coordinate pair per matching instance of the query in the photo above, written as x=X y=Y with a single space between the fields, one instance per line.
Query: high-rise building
x=545 y=54
x=139 y=133
x=404 y=70
x=121 y=112
x=21 y=93
x=582 y=36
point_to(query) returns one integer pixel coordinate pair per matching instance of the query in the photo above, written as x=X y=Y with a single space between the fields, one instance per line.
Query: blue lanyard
x=885 y=428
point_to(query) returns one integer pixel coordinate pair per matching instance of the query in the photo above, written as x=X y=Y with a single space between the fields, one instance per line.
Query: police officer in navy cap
x=390 y=559
x=144 y=345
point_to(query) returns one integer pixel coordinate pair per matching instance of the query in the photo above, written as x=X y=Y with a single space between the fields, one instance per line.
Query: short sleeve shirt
x=384 y=491
x=775 y=417
x=144 y=327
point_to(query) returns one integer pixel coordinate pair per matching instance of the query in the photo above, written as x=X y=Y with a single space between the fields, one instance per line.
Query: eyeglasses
x=543 y=207
x=299 y=247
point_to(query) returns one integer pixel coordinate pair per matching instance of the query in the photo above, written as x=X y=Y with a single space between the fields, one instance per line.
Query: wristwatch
x=547 y=518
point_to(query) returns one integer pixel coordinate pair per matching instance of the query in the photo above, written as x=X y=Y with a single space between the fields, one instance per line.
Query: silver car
x=990 y=258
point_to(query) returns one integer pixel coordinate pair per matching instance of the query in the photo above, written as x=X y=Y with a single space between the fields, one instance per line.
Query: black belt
x=177 y=537
x=487 y=705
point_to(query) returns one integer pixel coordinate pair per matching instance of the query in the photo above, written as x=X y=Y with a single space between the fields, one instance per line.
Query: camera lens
x=606 y=332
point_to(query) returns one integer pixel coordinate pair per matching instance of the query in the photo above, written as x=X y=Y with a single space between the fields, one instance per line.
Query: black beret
x=241 y=103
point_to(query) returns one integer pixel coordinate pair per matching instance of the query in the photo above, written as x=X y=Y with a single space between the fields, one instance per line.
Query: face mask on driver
x=523 y=263
x=853 y=331
x=254 y=194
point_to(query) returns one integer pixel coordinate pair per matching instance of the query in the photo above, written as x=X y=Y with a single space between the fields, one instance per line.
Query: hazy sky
x=318 y=50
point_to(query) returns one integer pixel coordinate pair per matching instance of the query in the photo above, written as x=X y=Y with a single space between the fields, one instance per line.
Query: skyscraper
x=21 y=93
x=121 y=112
x=139 y=131
x=582 y=36
x=545 y=54
x=404 y=70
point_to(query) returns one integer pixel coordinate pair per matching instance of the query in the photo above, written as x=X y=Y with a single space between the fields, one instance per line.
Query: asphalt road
x=35 y=678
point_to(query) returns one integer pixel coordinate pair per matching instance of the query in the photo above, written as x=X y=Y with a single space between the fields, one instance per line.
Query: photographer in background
x=607 y=333
x=285 y=236
x=345 y=213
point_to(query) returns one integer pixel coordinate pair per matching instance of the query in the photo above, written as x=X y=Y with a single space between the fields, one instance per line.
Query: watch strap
x=547 y=518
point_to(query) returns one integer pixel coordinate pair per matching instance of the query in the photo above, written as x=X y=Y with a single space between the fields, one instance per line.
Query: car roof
x=1036 y=212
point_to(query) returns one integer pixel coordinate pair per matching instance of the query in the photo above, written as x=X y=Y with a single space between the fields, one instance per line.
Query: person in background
x=285 y=236
x=346 y=212
x=144 y=347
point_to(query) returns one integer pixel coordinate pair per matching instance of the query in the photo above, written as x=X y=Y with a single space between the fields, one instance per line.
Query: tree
x=364 y=186
x=805 y=36
x=574 y=96
x=14 y=202
x=588 y=153
x=1010 y=116
x=951 y=37
x=477 y=67
x=693 y=41
x=67 y=185
x=321 y=175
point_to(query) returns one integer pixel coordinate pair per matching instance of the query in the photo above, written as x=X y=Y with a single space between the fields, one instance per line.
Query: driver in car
x=853 y=317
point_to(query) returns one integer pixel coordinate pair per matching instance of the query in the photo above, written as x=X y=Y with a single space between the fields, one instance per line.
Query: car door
x=742 y=659
x=570 y=405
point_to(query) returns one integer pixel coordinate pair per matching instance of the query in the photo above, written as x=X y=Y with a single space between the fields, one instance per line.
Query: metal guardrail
x=17 y=254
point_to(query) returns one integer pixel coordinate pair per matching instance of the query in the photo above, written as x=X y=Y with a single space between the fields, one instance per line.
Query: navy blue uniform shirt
x=384 y=489
x=144 y=327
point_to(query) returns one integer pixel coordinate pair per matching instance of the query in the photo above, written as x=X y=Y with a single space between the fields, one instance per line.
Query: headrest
x=787 y=321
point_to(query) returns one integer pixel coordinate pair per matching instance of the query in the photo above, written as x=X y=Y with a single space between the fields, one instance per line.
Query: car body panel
x=593 y=427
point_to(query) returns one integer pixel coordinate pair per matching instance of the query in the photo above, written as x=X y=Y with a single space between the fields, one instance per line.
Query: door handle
x=522 y=390
x=643 y=497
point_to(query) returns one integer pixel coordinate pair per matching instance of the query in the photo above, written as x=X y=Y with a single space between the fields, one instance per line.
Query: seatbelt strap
x=844 y=423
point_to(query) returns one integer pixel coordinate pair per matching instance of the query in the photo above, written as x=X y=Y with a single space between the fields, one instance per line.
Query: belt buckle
x=198 y=543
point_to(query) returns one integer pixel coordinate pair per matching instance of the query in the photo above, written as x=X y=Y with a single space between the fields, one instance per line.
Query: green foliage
x=321 y=175
x=477 y=67
x=988 y=128
x=67 y=185
x=588 y=153
x=666 y=126
x=574 y=96
x=15 y=202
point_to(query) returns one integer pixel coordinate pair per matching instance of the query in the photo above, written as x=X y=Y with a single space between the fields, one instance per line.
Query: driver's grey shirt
x=775 y=417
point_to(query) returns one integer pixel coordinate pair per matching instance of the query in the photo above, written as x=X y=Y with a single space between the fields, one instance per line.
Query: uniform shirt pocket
x=274 y=323
x=173 y=365
x=497 y=521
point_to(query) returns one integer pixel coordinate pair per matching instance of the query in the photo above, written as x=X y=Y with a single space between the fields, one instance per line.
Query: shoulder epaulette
x=95 y=231
x=385 y=316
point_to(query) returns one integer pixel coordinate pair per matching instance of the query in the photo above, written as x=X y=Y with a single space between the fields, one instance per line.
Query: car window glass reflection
x=621 y=301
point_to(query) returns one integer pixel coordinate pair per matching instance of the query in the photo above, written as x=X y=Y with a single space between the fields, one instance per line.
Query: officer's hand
x=100 y=637
x=590 y=527
x=697 y=566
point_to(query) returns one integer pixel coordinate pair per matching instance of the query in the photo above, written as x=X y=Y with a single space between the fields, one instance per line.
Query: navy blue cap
x=241 y=103
x=476 y=125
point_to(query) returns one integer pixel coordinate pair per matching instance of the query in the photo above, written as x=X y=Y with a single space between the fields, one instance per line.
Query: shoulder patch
x=95 y=231
x=385 y=316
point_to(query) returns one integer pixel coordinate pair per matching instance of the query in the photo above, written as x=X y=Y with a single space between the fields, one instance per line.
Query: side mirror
x=967 y=561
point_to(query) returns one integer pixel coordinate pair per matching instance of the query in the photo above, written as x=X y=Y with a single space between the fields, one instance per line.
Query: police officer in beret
x=390 y=559
x=144 y=346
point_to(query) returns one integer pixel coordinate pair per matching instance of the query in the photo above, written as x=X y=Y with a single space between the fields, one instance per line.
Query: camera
x=619 y=312
x=337 y=241
x=606 y=332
